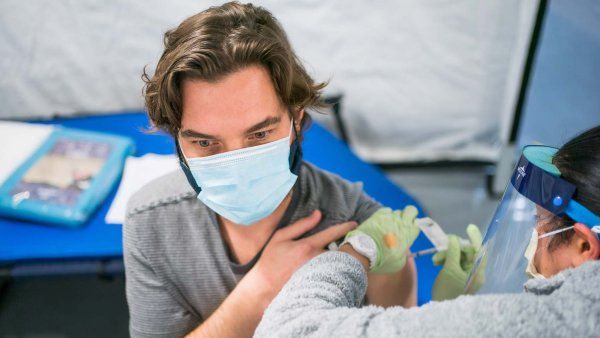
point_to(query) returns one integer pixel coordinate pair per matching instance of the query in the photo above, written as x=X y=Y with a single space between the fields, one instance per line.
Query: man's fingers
x=331 y=234
x=299 y=228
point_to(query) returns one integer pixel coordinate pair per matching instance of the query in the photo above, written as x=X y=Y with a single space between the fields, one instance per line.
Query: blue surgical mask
x=245 y=185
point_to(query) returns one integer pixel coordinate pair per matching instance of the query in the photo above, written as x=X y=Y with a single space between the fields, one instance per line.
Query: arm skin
x=240 y=312
x=398 y=289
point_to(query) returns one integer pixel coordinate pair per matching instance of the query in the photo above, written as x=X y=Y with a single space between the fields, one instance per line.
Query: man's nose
x=234 y=144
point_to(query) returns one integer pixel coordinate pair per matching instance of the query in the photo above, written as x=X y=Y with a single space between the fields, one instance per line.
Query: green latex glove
x=393 y=233
x=457 y=264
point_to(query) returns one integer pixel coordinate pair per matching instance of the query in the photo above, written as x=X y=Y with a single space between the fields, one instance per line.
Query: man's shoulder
x=337 y=198
x=320 y=180
x=168 y=189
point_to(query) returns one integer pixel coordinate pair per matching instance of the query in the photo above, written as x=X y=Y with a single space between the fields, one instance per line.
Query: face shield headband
x=536 y=178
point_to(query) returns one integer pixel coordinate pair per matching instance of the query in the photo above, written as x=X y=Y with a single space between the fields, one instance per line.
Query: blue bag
x=66 y=178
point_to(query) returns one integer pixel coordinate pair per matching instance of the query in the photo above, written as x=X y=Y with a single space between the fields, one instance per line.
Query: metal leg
x=5 y=281
x=336 y=106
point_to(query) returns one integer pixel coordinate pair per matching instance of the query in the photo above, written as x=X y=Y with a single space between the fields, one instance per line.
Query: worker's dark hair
x=579 y=163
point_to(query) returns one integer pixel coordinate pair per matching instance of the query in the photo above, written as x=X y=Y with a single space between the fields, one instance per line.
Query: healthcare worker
x=537 y=273
x=206 y=248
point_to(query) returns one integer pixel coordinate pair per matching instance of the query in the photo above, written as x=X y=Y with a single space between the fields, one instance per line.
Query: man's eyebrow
x=188 y=133
x=265 y=123
x=192 y=133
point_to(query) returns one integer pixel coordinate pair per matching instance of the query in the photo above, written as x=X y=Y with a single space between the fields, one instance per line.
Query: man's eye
x=203 y=143
x=261 y=135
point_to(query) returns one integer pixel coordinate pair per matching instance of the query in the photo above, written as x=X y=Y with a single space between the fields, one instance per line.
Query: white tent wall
x=422 y=80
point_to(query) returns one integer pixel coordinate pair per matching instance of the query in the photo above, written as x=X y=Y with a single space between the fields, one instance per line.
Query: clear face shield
x=535 y=194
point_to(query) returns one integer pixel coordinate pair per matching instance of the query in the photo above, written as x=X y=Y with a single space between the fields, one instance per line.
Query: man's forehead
x=239 y=100
x=250 y=87
x=226 y=127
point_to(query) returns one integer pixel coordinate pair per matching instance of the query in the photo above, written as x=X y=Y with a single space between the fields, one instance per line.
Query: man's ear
x=586 y=244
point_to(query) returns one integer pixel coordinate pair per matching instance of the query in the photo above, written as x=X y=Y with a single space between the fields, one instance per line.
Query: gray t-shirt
x=178 y=268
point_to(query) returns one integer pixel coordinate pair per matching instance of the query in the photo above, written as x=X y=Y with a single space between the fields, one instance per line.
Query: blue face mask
x=248 y=184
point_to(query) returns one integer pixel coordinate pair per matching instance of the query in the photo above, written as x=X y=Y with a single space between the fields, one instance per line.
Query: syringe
x=430 y=251
x=436 y=235
x=423 y=252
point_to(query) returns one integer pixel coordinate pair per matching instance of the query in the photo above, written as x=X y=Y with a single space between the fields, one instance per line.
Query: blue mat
x=22 y=242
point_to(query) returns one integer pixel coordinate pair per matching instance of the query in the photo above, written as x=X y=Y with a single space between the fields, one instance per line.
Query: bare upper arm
x=399 y=289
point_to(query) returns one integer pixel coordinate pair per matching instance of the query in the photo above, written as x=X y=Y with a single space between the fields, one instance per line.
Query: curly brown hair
x=219 y=41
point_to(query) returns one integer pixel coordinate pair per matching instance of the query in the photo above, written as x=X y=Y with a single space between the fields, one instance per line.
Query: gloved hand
x=393 y=233
x=457 y=264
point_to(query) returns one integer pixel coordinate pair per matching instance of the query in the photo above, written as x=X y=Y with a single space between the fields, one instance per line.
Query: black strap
x=186 y=169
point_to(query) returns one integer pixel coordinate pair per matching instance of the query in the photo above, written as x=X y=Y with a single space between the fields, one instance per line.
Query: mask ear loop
x=295 y=149
x=186 y=169
x=294 y=127
x=595 y=229
x=548 y=234
x=180 y=154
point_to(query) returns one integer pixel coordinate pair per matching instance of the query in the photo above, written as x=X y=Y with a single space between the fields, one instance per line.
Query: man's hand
x=240 y=313
x=285 y=253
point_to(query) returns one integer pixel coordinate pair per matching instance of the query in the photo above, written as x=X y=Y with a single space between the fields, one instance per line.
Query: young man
x=207 y=248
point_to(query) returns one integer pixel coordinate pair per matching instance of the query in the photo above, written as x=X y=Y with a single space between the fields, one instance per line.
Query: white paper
x=138 y=172
x=18 y=141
